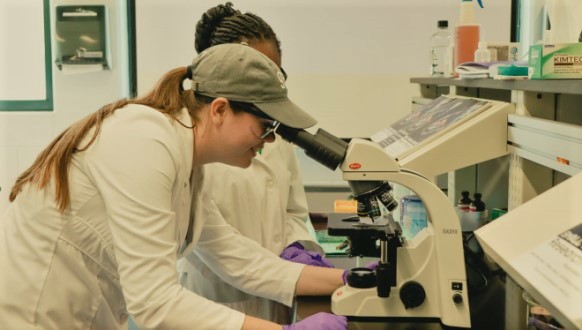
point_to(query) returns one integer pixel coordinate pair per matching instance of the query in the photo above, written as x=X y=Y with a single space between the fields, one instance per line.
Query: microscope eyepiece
x=330 y=151
x=325 y=148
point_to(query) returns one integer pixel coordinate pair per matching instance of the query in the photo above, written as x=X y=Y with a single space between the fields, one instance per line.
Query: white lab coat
x=266 y=203
x=117 y=243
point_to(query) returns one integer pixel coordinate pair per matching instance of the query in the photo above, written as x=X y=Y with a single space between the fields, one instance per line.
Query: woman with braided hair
x=98 y=221
x=265 y=202
x=223 y=24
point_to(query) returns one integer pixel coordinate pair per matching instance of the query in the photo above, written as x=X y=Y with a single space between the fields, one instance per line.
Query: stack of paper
x=475 y=70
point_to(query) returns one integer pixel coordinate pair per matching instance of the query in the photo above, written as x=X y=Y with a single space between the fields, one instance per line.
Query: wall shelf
x=554 y=145
x=566 y=86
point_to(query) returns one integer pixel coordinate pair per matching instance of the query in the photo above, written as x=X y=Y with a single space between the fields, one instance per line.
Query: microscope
x=422 y=278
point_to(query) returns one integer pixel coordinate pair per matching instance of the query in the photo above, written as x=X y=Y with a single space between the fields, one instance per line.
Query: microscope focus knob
x=412 y=294
x=457 y=298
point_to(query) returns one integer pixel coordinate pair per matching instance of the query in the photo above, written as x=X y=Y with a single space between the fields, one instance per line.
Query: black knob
x=458 y=298
x=412 y=294
x=361 y=278
x=383 y=280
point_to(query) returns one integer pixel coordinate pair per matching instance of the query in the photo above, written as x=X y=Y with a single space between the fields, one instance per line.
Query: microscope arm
x=366 y=164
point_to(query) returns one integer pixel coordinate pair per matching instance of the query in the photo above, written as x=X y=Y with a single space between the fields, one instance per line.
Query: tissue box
x=555 y=61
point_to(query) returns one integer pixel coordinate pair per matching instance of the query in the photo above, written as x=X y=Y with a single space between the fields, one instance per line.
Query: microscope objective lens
x=374 y=211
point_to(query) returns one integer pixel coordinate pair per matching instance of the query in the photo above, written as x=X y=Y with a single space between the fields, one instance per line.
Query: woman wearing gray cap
x=265 y=202
x=97 y=222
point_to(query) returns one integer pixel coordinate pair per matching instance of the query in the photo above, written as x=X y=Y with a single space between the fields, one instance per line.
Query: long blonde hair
x=168 y=96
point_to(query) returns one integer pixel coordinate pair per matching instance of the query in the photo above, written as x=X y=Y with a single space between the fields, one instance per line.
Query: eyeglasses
x=284 y=73
x=269 y=125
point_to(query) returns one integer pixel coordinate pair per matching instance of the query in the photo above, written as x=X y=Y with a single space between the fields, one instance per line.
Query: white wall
x=24 y=134
x=349 y=63
x=27 y=18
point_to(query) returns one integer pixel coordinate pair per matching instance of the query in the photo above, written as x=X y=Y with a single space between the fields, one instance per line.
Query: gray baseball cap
x=240 y=73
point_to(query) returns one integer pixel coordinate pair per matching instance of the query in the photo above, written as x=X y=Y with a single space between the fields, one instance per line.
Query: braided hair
x=224 y=24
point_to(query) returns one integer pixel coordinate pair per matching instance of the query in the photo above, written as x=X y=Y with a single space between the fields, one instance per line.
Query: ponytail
x=168 y=97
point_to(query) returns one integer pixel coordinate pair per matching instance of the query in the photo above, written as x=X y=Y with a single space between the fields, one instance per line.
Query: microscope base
x=417 y=268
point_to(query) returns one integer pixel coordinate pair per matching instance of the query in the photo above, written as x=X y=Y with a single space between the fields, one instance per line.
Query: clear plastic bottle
x=440 y=51
x=482 y=54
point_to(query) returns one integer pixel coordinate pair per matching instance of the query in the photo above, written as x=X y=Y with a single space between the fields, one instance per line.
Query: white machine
x=428 y=272
x=422 y=278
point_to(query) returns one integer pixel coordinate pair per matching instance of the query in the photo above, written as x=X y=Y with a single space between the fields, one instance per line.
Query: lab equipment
x=330 y=151
x=413 y=216
x=471 y=221
x=477 y=205
x=482 y=54
x=441 y=51
x=467 y=33
x=465 y=201
x=420 y=278
x=369 y=197
x=360 y=272
x=471 y=212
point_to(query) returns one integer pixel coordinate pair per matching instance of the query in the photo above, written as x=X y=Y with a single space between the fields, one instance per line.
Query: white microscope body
x=430 y=270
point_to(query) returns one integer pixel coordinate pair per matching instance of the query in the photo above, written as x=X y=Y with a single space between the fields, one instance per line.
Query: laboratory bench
x=487 y=306
x=565 y=86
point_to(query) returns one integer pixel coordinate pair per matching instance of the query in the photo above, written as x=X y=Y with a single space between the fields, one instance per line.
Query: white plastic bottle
x=482 y=54
x=440 y=51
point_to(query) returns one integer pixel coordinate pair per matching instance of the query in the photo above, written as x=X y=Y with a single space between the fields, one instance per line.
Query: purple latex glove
x=297 y=253
x=320 y=321
x=373 y=265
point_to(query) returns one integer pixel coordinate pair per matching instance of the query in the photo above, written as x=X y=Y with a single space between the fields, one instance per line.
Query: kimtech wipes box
x=555 y=61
